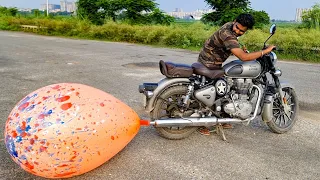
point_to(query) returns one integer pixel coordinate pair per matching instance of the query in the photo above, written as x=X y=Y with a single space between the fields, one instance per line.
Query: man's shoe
x=227 y=126
x=205 y=131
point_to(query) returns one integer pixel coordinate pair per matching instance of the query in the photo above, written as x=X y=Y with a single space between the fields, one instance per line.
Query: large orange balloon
x=64 y=130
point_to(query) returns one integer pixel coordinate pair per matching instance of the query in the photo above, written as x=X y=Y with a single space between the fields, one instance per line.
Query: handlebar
x=277 y=49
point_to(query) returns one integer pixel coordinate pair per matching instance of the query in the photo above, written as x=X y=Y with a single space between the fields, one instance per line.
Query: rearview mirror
x=273 y=29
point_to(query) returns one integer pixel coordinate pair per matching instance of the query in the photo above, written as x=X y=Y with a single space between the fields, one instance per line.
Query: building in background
x=67 y=6
x=52 y=7
x=25 y=9
x=63 y=5
x=197 y=15
x=299 y=13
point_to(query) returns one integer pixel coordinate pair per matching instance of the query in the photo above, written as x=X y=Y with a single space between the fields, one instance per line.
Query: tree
x=133 y=11
x=311 y=19
x=158 y=17
x=35 y=12
x=12 y=11
x=261 y=18
x=89 y=9
x=226 y=11
x=111 y=8
x=8 y=11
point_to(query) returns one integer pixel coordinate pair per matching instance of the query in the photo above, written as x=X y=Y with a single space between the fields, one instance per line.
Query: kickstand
x=220 y=131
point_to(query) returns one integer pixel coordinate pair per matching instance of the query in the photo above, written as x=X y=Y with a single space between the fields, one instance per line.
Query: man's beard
x=237 y=35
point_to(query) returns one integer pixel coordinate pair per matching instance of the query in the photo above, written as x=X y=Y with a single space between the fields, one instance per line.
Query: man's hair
x=246 y=20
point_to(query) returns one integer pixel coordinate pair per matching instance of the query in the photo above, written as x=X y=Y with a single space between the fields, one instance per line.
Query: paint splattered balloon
x=64 y=130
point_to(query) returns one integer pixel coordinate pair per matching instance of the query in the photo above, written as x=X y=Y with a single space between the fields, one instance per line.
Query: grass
x=298 y=44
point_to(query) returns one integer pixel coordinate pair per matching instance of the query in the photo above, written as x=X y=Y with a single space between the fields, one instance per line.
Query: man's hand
x=244 y=48
x=269 y=49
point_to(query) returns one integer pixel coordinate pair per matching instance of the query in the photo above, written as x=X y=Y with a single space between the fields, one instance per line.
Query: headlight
x=278 y=73
x=274 y=58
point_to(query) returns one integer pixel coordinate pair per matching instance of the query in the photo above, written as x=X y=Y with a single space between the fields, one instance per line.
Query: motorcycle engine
x=239 y=105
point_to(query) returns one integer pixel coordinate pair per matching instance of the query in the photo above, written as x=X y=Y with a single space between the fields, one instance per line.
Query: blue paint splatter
x=59 y=121
x=28 y=128
x=31 y=107
x=29 y=119
x=50 y=112
x=19 y=130
x=23 y=157
x=18 y=139
x=11 y=147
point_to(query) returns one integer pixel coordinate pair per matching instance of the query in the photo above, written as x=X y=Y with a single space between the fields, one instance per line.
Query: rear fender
x=163 y=85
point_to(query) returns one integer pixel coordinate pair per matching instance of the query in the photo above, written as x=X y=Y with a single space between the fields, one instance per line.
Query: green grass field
x=297 y=44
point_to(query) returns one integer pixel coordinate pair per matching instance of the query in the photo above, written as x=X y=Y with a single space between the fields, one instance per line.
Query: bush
x=297 y=43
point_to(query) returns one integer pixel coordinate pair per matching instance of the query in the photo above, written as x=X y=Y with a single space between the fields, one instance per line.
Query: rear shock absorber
x=188 y=95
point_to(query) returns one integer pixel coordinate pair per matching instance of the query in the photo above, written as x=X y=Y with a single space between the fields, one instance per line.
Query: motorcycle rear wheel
x=281 y=122
x=168 y=106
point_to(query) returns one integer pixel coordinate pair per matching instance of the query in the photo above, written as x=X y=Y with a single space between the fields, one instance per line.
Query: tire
x=173 y=94
x=280 y=122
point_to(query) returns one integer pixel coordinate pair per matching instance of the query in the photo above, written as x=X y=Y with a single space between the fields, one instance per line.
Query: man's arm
x=250 y=56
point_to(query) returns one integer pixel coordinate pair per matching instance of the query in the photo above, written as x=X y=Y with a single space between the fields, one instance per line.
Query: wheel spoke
x=277 y=119
x=277 y=113
x=283 y=120
x=288 y=117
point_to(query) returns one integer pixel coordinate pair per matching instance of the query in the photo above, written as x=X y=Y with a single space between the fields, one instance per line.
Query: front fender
x=267 y=111
x=285 y=84
x=163 y=85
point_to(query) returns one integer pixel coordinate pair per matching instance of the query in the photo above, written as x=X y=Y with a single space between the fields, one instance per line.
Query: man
x=223 y=43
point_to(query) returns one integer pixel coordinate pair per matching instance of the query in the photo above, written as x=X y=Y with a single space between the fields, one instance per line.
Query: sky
x=277 y=9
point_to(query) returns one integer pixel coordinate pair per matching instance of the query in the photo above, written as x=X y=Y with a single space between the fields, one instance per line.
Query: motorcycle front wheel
x=282 y=122
x=168 y=105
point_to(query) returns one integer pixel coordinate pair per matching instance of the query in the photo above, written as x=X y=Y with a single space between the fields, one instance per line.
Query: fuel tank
x=242 y=69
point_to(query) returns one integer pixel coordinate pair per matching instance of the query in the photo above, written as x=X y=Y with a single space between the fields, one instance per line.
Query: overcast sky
x=277 y=9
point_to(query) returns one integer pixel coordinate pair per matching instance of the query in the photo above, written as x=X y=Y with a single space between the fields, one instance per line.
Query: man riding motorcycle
x=223 y=43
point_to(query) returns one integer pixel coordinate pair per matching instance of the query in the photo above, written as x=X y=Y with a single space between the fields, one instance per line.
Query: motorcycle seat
x=172 y=70
x=200 y=69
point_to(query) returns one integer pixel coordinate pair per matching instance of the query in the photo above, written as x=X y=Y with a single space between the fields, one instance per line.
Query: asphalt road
x=29 y=62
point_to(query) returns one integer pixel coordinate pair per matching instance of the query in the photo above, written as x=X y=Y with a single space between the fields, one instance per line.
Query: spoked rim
x=280 y=118
x=170 y=108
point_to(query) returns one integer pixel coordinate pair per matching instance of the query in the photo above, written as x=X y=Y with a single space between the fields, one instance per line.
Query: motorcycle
x=193 y=96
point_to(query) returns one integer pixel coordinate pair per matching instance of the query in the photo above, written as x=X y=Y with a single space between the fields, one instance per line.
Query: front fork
x=282 y=96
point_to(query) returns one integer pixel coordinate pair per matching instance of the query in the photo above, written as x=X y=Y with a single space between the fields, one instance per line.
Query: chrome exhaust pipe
x=196 y=122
